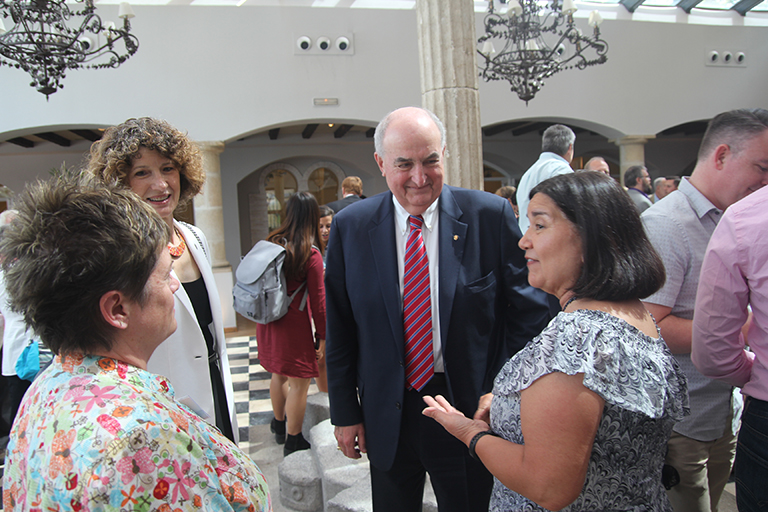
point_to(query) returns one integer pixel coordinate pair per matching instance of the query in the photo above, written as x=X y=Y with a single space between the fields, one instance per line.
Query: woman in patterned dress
x=581 y=416
x=88 y=266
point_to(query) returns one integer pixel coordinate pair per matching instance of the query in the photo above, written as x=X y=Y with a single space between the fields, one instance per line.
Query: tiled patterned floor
x=251 y=385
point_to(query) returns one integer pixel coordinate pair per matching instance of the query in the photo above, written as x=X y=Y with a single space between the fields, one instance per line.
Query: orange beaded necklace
x=177 y=251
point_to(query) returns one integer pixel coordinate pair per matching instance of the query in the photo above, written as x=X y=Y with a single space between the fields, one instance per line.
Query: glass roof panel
x=660 y=3
x=719 y=5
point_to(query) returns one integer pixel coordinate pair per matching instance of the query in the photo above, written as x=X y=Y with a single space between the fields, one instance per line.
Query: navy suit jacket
x=339 y=205
x=487 y=309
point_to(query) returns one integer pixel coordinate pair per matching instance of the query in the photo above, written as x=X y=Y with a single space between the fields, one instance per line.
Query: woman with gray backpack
x=289 y=346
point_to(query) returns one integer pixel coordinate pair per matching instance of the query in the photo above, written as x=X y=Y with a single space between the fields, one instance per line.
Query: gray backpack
x=260 y=293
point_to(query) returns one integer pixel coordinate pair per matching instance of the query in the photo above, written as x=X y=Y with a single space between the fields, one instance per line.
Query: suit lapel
x=382 y=239
x=452 y=235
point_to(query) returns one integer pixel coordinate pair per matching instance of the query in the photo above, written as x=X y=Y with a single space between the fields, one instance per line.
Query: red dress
x=286 y=346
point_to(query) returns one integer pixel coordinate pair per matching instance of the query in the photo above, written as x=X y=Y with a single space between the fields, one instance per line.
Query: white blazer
x=183 y=357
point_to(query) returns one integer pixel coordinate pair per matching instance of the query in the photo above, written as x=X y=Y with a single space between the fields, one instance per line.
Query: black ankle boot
x=294 y=444
x=278 y=428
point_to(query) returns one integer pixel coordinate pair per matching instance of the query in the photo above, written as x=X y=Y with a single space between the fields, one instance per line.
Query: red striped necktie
x=417 y=309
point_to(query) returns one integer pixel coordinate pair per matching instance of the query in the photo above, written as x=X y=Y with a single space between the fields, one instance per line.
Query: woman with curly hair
x=287 y=347
x=164 y=167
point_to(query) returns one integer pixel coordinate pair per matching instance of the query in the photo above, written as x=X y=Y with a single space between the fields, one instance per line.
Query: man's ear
x=380 y=162
x=113 y=308
x=720 y=154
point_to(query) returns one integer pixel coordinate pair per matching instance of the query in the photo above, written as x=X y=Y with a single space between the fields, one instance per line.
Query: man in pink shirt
x=734 y=277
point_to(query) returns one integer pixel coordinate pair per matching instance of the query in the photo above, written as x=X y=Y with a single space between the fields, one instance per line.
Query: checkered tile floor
x=251 y=385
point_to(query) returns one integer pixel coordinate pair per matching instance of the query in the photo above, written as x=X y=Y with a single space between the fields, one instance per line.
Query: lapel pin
x=455 y=237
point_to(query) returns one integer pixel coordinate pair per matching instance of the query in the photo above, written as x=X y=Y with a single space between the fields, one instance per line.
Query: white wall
x=223 y=73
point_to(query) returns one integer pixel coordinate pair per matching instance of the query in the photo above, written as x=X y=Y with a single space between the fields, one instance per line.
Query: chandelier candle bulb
x=515 y=9
x=488 y=49
x=595 y=19
x=125 y=12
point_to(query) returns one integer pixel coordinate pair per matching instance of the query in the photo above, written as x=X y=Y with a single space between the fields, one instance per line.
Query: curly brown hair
x=112 y=156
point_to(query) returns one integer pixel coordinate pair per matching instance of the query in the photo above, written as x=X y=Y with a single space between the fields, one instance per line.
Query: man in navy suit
x=482 y=311
x=351 y=190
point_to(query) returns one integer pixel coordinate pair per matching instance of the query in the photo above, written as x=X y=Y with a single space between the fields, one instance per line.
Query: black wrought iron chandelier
x=537 y=39
x=48 y=38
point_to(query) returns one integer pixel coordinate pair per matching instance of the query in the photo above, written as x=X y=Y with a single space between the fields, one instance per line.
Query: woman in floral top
x=89 y=267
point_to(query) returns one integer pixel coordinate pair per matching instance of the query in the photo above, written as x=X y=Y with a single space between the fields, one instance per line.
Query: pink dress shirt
x=734 y=274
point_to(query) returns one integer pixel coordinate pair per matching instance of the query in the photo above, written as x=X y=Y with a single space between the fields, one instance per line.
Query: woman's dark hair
x=298 y=233
x=619 y=261
x=75 y=239
x=326 y=211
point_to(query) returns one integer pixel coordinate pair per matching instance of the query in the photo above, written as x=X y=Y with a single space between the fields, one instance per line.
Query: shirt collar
x=698 y=201
x=548 y=155
x=401 y=216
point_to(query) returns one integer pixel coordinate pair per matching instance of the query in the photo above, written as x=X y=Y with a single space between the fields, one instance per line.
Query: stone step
x=322 y=479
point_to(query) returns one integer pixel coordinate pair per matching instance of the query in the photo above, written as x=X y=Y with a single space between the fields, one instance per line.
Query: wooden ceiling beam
x=309 y=130
x=55 y=138
x=21 y=141
x=342 y=131
x=91 y=135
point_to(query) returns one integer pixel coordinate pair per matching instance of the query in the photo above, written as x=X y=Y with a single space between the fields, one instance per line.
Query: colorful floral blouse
x=94 y=433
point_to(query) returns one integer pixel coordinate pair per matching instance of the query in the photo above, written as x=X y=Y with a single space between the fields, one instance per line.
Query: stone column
x=449 y=84
x=209 y=217
x=631 y=152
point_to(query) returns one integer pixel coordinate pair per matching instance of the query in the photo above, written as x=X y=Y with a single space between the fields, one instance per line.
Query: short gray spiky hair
x=75 y=239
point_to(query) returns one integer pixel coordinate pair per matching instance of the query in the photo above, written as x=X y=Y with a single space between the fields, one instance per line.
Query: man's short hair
x=632 y=174
x=508 y=192
x=658 y=182
x=75 y=239
x=352 y=185
x=734 y=128
x=619 y=261
x=381 y=129
x=588 y=165
x=557 y=139
x=674 y=179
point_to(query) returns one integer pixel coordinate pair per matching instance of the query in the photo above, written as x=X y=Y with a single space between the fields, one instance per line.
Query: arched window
x=279 y=185
x=323 y=184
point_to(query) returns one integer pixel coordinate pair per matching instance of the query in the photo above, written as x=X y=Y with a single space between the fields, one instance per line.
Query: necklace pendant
x=177 y=251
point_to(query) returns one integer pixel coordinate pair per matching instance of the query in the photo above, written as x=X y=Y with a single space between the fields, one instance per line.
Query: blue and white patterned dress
x=645 y=393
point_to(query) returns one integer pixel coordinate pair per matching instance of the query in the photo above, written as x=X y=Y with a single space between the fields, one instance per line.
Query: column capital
x=214 y=146
x=632 y=139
